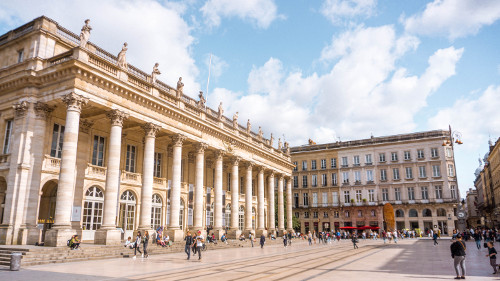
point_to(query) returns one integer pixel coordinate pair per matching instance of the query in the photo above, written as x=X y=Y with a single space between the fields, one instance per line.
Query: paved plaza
x=409 y=259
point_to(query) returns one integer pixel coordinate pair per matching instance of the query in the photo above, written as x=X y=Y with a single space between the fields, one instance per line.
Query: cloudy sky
x=325 y=70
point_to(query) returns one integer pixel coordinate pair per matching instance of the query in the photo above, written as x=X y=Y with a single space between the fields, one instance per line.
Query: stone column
x=108 y=234
x=261 y=229
x=198 y=186
x=61 y=230
x=174 y=230
x=289 y=219
x=248 y=198
x=234 y=231
x=218 y=229
x=270 y=202
x=281 y=207
x=147 y=175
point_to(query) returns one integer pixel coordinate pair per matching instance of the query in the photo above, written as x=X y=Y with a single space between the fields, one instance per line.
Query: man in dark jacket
x=189 y=242
x=262 y=240
x=458 y=254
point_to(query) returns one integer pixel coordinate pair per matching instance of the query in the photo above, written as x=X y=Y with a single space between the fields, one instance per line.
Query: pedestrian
x=199 y=244
x=137 y=244
x=194 y=243
x=285 y=243
x=251 y=238
x=435 y=238
x=145 y=241
x=458 y=254
x=477 y=239
x=262 y=240
x=189 y=242
x=289 y=239
x=354 y=241
x=309 y=238
x=492 y=253
x=384 y=235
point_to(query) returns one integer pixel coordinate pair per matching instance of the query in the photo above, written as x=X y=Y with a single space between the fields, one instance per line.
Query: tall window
x=295 y=166
x=439 y=191
x=425 y=193
x=92 y=208
x=8 y=133
x=357 y=176
x=98 y=151
x=436 y=171
x=335 y=197
x=381 y=157
x=227 y=215
x=314 y=180
x=420 y=154
x=453 y=190
x=127 y=210
x=57 y=141
x=397 y=193
x=296 y=200
x=356 y=160
x=241 y=218
x=371 y=195
x=295 y=181
x=324 y=181
x=130 y=160
x=334 y=179
x=333 y=163
x=156 y=206
x=385 y=194
x=407 y=155
x=451 y=170
x=344 y=161
x=358 y=196
x=394 y=156
x=323 y=164
x=409 y=172
x=411 y=193
x=20 y=55
x=158 y=159
x=305 y=197
x=383 y=175
x=368 y=159
x=313 y=164
x=395 y=172
x=449 y=152
x=345 y=177
x=369 y=175
x=306 y=215
x=304 y=181
x=228 y=181
x=347 y=196
x=421 y=172
x=304 y=165
x=434 y=152
x=315 y=199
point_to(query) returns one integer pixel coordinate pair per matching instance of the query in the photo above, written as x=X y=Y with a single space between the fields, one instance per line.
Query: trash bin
x=15 y=261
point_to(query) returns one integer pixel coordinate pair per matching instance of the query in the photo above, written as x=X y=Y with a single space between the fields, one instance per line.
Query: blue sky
x=324 y=70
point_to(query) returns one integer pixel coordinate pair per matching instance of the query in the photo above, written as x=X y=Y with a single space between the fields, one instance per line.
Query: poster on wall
x=76 y=214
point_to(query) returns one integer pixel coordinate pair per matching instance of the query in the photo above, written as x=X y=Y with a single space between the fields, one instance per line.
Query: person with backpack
x=189 y=242
x=145 y=241
x=435 y=238
x=137 y=244
x=355 y=240
x=492 y=253
x=458 y=254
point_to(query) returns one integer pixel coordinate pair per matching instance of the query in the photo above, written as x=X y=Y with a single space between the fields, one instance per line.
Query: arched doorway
x=127 y=213
x=92 y=212
x=3 y=190
x=47 y=208
x=156 y=211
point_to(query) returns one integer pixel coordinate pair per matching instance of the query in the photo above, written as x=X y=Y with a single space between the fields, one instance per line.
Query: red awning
x=348 y=227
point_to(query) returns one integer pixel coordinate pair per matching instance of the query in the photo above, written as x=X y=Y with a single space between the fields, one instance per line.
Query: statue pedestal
x=58 y=237
x=234 y=233
x=108 y=237
x=259 y=233
x=175 y=235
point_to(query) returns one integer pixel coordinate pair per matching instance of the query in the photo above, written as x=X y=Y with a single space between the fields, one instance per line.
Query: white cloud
x=453 y=18
x=339 y=10
x=260 y=12
x=162 y=36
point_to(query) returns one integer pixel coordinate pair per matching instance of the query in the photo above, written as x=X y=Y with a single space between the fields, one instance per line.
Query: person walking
x=355 y=241
x=477 y=239
x=285 y=243
x=458 y=254
x=145 y=241
x=189 y=242
x=251 y=238
x=137 y=244
x=435 y=238
x=262 y=240
x=309 y=238
x=199 y=244
x=492 y=253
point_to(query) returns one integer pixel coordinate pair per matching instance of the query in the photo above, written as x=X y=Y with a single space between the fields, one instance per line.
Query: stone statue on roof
x=180 y=85
x=261 y=134
x=249 y=126
x=122 y=56
x=271 y=140
x=280 y=144
x=202 y=101
x=85 y=34
x=155 y=73
x=221 y=111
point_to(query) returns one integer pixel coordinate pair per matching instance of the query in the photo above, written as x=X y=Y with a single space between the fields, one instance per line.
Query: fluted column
x=198 y=187
x=218 y=193
x=281 y=206
x=260 y=199
x=289 y=219
x=175 y=193
x=150 y=130
x=272 y=223
x=248 y=196
x=234 y=193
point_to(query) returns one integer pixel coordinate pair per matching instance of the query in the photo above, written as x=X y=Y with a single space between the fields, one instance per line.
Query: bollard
x=15 y=261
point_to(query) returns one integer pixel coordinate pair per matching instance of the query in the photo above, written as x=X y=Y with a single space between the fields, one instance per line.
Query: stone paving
x=374 y=260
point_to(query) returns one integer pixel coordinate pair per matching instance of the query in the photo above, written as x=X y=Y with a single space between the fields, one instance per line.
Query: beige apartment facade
x=347 y=183
x=93 y=146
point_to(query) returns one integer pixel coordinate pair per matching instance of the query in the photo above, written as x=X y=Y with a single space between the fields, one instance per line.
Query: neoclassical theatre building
x=93 y=146
x=346 y=183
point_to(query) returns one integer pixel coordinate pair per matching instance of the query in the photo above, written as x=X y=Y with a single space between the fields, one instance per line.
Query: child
x=492 y=253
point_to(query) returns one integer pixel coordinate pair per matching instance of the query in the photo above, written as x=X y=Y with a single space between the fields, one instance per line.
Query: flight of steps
x=32 y=255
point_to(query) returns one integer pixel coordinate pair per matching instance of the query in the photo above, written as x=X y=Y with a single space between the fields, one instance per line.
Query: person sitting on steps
x=74 y=243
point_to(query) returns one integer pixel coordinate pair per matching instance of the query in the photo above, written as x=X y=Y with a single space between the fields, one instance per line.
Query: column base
x=271 y=232
x=218 y=233
x=34 y=235
x=58 y=237
x=290 y=230
x=280 y=232
x=247 y=231
x=259 y=233
x=6 y=234
x=108 y=237
x=150 y=232
x=175 y=235
x=234 y=233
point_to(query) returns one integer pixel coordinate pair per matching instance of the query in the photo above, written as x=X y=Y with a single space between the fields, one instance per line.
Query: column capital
x=219 y=154
x=235 y=160
x=117 y=117
x=85 y=125
x=178 y=139
x=249 y=165
x=75 y=101
x=280 y=176
x=272 y=173
x=150 y=129
x=21 y=108
x=261 y=169
x=200 y=147
x=42 y=110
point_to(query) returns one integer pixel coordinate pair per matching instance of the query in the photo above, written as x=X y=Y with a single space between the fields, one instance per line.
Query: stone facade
x=347 y=183
x=102 y=150
x=474 y=218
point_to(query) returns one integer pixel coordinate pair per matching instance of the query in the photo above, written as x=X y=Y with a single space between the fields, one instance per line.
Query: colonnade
x=109 y=234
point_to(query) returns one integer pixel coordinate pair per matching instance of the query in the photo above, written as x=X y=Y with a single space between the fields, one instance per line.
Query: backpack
x=68 y=243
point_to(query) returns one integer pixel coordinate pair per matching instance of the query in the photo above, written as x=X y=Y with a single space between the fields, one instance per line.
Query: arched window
x=441 y=212
x=127 y=211
x=413 y=213
x=426 y=213
x=241 y=218
x=156 y=207
x=92 y=208
x=227 y=216
x=400 y=213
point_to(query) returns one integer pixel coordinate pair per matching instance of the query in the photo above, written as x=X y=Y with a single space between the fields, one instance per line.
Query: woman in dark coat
x=262 y=240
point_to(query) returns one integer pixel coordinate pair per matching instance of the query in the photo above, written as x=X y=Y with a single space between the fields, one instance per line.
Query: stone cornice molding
x=42 y=110
x=74 y=101
x=178 y=139
x=117 y=117
x=150 y=129
x=21 y=108
x=200 y=147
x=85 y=125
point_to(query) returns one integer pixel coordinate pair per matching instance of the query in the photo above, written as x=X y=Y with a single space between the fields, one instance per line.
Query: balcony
x=344 y=166
x=369 y=164
x=131 y=178
x=51 y=164
x=356 y=164
x=357 y=182
x=95 y=172
x=159 y=182
x=370 y=182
